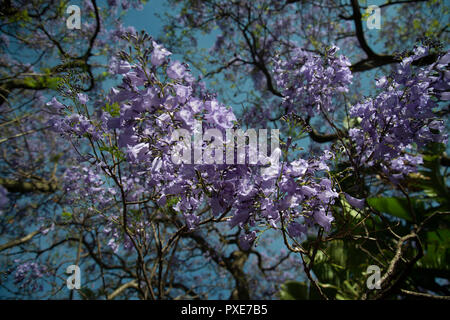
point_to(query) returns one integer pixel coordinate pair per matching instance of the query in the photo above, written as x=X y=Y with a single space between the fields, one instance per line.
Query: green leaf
x=348 y=209
x=397 y=207
x=112 y=109
x=294 y=290
x=437 y=250
x=172 y=201
x=66 y=215
x=55 y=158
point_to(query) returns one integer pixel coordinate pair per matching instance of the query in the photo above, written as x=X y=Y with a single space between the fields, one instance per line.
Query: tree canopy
x=340 y=193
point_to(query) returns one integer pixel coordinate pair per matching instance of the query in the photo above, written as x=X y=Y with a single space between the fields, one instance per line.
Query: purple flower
x=144 y=119
x=176 y=70
x=223 y=118
x=183 y=93
x=55 y=104
x=308 y=191
x=117 y=66
x=309 y=80
x=298 y=167
x=380 y=83
x=354 y=202
x=192 y=221
x=323 y=219
x=296 y=229
x=113 y=244
x=113 y=123
x=159 y=54
x=138 y=152
x=240 y=216
x=246 y=240
x=400 y=117
x=28 y=274
x=82 y=98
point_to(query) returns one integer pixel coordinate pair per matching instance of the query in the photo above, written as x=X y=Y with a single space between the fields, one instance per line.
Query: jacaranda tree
x=133 y=165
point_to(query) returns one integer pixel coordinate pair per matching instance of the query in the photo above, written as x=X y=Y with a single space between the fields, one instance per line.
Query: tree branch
x=19 y=241
x=131 y=284
x=21 y=186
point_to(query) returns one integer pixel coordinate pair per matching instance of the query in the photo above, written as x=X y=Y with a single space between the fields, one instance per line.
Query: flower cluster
x=81 y=182
x=116 y=236
x=401 y=118
x=158 y=96
x=28 y=274
x=309 y=82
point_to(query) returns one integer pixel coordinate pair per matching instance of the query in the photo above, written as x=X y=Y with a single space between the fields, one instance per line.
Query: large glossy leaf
x=397 y=207
x=294 y=290
x=434 y=182
x=437 y=250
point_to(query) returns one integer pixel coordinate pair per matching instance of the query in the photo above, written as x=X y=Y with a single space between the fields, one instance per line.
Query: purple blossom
x=296 y=230
x=183 y=93
x=400 y=117
x=138 y=152
x=117 y=66
x=27 y=275
x=323 y=219
x=192 y=221
x=82 y=98
x=144 y=119
x=55 y=104
x=246 y=240
x=159 y=54
x=310 y=81
x=354 y=202
x=176 y=70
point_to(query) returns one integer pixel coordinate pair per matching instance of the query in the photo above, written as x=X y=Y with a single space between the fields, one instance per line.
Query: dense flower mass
x=86 y=183
x=141 y=115
x=309 y=82
x=402 y=118
x=28 y=275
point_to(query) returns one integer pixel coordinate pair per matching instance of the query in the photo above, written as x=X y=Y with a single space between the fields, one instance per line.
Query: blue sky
x=148 y=20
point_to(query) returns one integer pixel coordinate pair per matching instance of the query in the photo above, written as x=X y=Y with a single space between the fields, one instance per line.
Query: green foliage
x=114 y=151
x=293 y=290
x=66 y=215
x=397 y=207
x=42 y=82
x=341 y=266
x=112 y=109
